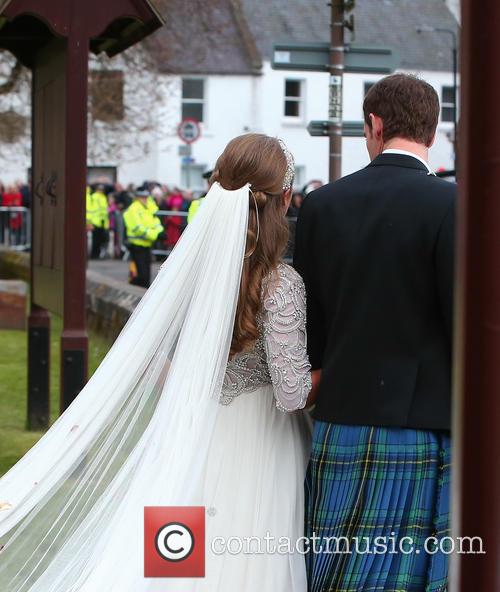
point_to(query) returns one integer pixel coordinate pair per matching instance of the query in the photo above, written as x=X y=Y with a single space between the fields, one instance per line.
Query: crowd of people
x=130 y=221
x=12 y=226
x=125 y=222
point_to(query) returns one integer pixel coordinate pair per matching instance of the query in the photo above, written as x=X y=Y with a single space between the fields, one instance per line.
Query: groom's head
x=400 y=107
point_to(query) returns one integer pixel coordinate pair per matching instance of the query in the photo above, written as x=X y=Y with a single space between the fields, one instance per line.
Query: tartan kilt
x=367 y=482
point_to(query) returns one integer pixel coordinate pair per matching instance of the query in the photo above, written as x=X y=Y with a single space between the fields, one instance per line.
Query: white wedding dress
x=257 y=459
x=166 y=421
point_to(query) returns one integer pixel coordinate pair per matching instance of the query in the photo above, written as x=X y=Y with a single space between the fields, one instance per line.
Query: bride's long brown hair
x=259 y=160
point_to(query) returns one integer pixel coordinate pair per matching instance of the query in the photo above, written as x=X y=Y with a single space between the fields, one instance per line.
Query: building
x=455 y=6
x=212 y=62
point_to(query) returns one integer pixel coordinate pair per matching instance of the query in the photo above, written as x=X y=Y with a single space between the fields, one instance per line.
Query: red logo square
x=174 y=542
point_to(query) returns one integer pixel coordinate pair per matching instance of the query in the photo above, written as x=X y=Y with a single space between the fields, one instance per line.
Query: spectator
x=311 y=186
x=173 y=224
x=123 y=197
x=98 y=221
x=143 y=229
x=115 y=225
x=297 y=199
x=13 y=198
x=25 y=192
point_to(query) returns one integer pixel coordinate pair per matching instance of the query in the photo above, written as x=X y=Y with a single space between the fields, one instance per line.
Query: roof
x=394 y=23
x=206 y=37
x=27 y=25
x=382 y=22
x=234 y=36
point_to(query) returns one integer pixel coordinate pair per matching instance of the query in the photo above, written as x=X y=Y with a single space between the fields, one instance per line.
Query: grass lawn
x=15 y=440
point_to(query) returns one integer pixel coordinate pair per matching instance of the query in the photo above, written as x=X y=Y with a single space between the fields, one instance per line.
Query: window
x=192 y=176
x=300 y=176
x=101 y=174
x=106 y=95
x=447 y=103
x=193 y=98
x=294 y=100
x=368 y=85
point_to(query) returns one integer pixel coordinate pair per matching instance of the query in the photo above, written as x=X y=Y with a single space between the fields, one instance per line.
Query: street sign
x=315 y=57
x=189 y=130
x=370 y=59
x=350 y=129
x=353 y=129
x=185 y=150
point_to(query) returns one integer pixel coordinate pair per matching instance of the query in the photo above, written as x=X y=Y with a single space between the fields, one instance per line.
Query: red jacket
x=13 y=199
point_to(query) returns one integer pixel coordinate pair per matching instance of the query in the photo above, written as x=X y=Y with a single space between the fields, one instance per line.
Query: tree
x=129 y=103
x=15 y=109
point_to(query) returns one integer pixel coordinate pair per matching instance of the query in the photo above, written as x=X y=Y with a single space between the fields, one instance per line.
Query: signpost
x=314 y=57
x=189 y=131
x=336 y=58
x=350 y=129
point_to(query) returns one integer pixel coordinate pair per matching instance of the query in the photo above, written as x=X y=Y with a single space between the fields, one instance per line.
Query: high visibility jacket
x=97 y=209
x=152 y=205
x=143 y=227
x=193 y=210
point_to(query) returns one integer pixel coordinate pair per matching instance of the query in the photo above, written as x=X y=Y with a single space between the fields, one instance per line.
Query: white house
x=214 y=66
x=234 y=92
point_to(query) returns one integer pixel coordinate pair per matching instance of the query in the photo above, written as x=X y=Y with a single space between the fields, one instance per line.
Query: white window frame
x=196 y=181
x=300 y=100
x=202 y=101
x=300 y=176
x=446 y=105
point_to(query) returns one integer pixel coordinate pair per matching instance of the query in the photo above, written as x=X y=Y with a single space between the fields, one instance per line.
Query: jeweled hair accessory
x=290 y=166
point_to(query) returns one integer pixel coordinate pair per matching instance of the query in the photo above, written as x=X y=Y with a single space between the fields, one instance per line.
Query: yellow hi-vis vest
x=152 y=205
x=193 y=209
x=97 y=209
x=143 y=227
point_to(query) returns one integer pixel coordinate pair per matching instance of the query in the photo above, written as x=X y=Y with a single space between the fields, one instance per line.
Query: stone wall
x=109 y=302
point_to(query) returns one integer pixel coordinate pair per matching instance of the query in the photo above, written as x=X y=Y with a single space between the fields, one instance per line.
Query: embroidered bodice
x=279 y=356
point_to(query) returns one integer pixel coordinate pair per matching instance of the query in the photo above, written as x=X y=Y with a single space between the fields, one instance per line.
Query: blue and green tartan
x=377 y=482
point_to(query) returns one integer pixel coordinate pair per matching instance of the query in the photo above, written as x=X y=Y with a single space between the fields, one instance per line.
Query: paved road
x=117 y=269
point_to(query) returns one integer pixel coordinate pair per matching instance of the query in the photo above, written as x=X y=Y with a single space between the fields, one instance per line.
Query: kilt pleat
x=373 y=486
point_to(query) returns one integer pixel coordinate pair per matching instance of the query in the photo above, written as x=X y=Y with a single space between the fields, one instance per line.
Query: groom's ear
x=377 y=126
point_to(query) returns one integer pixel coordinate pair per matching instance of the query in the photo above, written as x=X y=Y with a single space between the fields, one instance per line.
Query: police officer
x=143 y=229
x=97 y=220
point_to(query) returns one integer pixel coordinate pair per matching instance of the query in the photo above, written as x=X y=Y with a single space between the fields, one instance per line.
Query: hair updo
x=259 y=160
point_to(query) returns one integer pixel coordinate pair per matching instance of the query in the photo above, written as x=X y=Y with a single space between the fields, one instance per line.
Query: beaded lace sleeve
x=285 y=342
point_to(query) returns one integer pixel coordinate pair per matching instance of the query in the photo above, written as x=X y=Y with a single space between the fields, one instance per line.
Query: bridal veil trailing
x=73 y=505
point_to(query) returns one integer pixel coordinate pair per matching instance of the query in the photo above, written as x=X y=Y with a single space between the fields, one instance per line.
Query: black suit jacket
x=376 y=252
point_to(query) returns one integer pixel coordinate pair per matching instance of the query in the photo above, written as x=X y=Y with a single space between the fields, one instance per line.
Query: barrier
x=15 y=228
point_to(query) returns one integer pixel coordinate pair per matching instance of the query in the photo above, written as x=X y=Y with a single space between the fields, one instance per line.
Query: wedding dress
x=166 y=420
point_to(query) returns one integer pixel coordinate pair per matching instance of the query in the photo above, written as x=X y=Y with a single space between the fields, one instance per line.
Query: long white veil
x=137 y=433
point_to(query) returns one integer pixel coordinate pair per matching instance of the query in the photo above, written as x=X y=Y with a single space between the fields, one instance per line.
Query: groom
x=376 y=252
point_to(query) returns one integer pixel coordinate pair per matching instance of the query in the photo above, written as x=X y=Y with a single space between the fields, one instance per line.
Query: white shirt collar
x=406 y=153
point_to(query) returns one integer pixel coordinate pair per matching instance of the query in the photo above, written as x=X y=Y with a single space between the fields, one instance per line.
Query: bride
x=194 y=405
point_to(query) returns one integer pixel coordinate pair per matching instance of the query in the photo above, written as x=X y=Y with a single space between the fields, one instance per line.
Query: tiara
x=290 y=166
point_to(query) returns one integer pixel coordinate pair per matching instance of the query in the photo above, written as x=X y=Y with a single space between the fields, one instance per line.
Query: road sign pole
x=335 y=100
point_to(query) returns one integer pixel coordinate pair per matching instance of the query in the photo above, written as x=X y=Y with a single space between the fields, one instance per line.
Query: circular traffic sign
x=189 y=130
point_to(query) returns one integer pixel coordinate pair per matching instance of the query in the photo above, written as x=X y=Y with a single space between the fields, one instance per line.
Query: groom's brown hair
x=408 y=106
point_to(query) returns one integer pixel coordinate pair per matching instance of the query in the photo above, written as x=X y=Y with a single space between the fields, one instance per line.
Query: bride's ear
x=287 y=198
